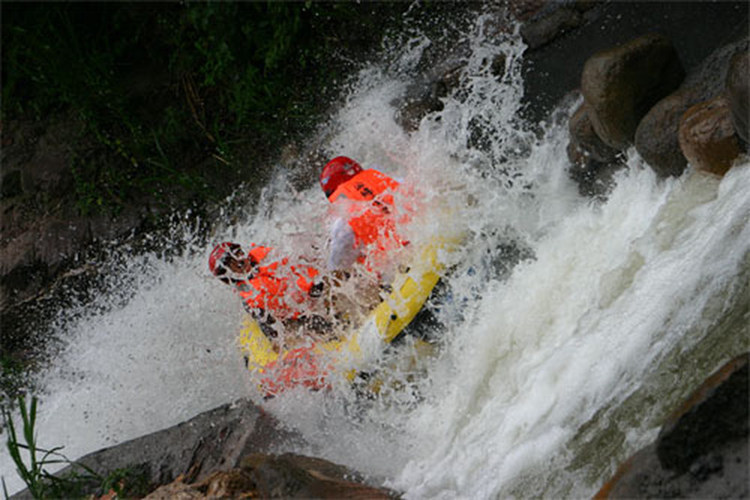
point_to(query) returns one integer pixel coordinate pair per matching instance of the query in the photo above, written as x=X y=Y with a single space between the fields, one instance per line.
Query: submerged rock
x=714 y=415
x=420 y=100
x=702 y=449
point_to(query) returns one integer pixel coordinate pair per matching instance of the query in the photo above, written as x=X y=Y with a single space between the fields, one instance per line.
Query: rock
x=425 y=96
x=524 y=10
x=656 y=138
x=43 y=157
x=707 y=136
x=738 y=85
x=223 y=453
x=420 y=100
x=702 y=449
x=584 y=141
x=715 y=414
x=41 y=228
x=177 y=490
x=50 y=242
x=595 y=179
x=550 y=24
x=498 y=65
x=553 y=69
x=305 y=477
x=11 y=185
x=212 y=441
x=440 y=70
x=620 y=85
x=284 y=476
x=593 y=163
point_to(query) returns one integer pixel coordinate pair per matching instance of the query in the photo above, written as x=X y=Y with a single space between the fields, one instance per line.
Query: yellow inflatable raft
x=313 y=366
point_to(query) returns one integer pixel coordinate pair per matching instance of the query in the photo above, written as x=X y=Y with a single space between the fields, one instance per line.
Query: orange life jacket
x=372 y=224
x=268 y=290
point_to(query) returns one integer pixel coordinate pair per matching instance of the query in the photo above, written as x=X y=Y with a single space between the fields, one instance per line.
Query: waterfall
x=573 y=326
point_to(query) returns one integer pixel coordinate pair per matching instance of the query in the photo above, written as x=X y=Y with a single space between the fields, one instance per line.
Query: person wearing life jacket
x=270 y=290
x=366 y=231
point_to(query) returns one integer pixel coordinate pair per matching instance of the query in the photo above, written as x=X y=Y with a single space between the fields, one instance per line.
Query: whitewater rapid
x=573 y=327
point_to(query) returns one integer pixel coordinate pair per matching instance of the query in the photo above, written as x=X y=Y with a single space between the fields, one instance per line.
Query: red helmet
x=336 y=171
x=216 y=261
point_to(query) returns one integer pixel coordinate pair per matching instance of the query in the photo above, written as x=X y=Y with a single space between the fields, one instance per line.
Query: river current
x=572 y=326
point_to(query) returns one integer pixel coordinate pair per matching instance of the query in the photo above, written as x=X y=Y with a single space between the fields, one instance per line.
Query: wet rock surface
x=225 y=453
x=277 y=476
x=657 y=134
x=42 y=228
x=620 y=85
x=702 y=449
x=693 y=124
x=550 y=71
x=707 y=137
x=557 y=65
x=593 y=163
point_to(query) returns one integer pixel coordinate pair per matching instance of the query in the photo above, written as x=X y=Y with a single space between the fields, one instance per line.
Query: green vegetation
x=32 y=462
x=162 y=104
x=171 y=99
x=40 y=483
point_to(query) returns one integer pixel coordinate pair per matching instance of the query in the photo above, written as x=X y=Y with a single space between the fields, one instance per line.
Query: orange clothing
x=269 y=290
x=373 y=224
x=298 y=367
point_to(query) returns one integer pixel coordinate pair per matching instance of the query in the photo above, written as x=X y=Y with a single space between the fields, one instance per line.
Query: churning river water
x=572 y=327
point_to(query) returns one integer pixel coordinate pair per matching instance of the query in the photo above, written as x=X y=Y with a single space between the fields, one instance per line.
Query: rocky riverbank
x=701 y=452
x=668 y=78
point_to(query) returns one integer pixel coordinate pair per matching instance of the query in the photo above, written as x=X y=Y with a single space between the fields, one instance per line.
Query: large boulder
x=656 y=138
x=222 y=453
x=702 y=449
x=593 y=163
x=214 y=440
x=552 y=69
x=585 y=141
x=620 y=85
x=738 y=86
x=707 y=136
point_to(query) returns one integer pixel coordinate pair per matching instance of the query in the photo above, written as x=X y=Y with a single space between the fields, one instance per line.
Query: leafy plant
x=38 y=480
x=32 y=462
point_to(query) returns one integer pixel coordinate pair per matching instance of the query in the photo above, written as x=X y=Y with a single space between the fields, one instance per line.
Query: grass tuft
x=32 y=463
